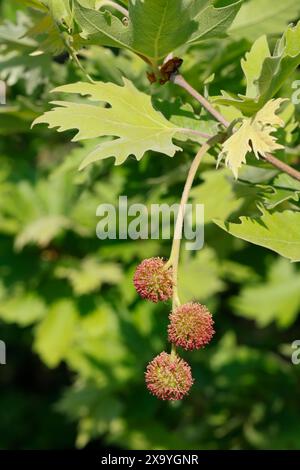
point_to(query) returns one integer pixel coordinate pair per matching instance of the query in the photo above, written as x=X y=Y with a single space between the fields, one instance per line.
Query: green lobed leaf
x=153 y=29
x=102 y=28
x=252 y=64
x=256 y=131
x=278 y=67
x=265 y=73
x=53 y=28
x=284 y=188
x=155 y=26
x=213 y=21
x=47 y=34
x=131 y=117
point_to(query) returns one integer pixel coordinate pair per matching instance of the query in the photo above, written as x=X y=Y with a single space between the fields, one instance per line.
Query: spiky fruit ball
x=153 y=281
x=168 y=377
x=191 y=326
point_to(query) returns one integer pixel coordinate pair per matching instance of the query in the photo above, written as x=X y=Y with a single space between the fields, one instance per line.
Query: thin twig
x=73 y=54
x=185 y=130
x=175 y=251
x=180 y=81
x=79 y=65
x=282 y=166
x=174 y=256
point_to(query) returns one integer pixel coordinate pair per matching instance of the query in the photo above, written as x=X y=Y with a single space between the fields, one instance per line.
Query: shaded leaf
x=276 y=299
x=54 y=335
x=257 y=17
x=213 y=21
x=278 y=231
x=90 y=274
x=153 y=29
x=199 y=276
x=183 y=116
x=156 y=30
x=102 y=28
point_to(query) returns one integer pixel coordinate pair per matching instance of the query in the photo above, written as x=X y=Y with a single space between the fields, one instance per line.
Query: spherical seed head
x=168 y=377
x=191 y=326
x=153 y=281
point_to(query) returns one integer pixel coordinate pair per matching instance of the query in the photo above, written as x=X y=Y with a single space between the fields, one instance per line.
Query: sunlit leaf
x=22 y=308
x=254 y=134
x=131 y=117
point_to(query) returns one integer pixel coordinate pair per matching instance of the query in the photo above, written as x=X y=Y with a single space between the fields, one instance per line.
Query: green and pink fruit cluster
x=191 y=326
x=169 y=377
x=153 y=281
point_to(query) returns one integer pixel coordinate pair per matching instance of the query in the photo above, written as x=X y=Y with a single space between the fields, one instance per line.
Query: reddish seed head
x=191 y=326
x=168 y=377
x=152 y=281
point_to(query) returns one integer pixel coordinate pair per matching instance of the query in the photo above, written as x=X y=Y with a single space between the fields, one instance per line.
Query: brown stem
x=282 y=166
x=180 y=81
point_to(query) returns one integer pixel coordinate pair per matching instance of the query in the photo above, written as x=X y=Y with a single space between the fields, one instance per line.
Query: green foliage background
x=78 y=338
